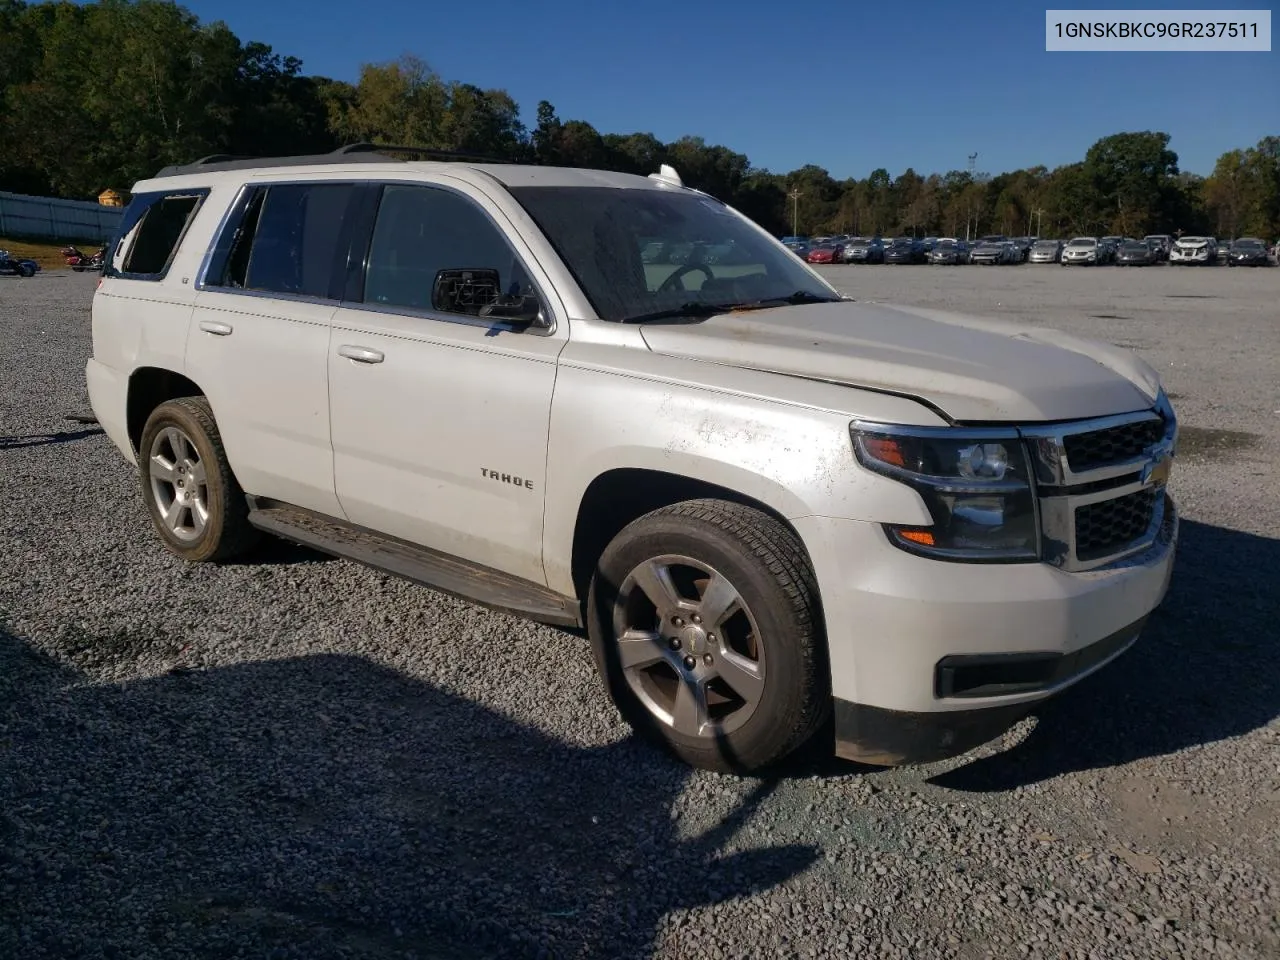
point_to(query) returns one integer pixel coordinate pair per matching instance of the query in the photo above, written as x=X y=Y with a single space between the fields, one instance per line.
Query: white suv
x=1194 y=250
x=778 y=513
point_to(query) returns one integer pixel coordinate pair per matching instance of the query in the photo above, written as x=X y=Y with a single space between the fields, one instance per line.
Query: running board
x=460 y=578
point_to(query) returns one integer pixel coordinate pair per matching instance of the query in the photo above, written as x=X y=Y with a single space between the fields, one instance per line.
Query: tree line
x=98 y=95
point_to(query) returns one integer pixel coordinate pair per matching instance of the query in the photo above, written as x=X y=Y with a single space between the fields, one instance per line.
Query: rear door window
x=288 y=239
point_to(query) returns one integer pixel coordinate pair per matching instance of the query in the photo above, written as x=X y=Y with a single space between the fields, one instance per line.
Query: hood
x=970 y=368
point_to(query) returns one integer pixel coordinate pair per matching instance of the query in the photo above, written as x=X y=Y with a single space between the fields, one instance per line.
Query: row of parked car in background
x=999 y=249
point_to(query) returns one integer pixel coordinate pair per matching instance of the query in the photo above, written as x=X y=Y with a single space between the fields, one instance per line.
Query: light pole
x=795 y=211
x=973 y=162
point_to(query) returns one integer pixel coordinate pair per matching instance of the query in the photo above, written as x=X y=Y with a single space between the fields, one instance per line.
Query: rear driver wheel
x=194 y=500
x=706 y=626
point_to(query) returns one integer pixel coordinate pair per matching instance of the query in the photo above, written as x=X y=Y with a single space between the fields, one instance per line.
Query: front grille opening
x=1098 y=448
x=1109 y=526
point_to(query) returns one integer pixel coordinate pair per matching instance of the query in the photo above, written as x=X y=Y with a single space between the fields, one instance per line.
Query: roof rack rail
x=425 y=152
x=350 y=153
x=220 y=158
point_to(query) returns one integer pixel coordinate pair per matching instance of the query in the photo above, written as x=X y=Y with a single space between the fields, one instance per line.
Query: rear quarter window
x=151 y=233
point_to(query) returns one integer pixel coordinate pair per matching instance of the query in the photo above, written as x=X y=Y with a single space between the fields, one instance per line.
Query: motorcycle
x=79 y=262
x=20 y=267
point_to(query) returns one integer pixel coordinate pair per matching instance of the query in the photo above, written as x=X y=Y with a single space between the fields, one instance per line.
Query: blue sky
x=850 y=86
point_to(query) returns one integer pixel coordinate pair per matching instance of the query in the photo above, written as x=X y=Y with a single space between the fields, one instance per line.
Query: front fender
x=797 y=460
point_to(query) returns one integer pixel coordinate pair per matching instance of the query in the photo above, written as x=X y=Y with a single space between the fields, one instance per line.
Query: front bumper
x=927 y=655
x=882 y=737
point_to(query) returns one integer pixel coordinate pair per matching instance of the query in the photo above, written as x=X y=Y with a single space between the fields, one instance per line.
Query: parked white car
x=1083 y=251
x=1200 y=251
x=778 y=513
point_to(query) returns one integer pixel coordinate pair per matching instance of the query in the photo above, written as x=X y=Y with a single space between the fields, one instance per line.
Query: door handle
x=360 y=354
x=216 y=327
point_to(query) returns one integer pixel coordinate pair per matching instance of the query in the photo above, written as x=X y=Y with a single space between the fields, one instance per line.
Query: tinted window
x=288 y=241
x=423 y=230
x=150 y=232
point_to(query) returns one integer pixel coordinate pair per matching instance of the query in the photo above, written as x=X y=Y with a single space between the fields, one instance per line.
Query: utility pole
x=795 y=196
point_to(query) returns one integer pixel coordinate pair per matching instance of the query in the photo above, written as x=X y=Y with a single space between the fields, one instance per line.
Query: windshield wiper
x=701 y=309
x=797 y=298
x=694 y=308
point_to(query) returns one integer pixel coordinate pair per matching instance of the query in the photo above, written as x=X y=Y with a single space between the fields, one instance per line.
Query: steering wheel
x=679 y=272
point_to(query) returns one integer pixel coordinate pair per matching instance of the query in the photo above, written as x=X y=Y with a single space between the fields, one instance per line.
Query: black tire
x=226 y=533
x=26 y=270
x=768 y=567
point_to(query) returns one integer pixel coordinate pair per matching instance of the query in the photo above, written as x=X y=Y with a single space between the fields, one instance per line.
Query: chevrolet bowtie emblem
x=1156 y=473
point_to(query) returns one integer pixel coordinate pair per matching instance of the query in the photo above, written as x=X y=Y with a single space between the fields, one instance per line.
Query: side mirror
x=515 y=308
x=477 y=292
x=464 y=291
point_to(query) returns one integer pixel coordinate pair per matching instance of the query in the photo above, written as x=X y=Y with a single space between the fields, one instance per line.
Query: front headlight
x=976 y=485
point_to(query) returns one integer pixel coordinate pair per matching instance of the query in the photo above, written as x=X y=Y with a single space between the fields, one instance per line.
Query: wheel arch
x=148 y=388
x=620 y=495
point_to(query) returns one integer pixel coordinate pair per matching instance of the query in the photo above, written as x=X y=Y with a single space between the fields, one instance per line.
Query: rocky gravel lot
x=298 y=757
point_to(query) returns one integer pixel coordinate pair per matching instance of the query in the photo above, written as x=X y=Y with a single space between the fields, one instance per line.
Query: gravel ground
x=302 y=758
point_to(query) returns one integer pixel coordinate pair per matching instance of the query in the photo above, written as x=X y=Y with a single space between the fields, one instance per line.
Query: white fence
x=45 y=217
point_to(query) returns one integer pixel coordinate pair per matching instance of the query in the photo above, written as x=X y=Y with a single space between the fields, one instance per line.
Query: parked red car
x=827 y=253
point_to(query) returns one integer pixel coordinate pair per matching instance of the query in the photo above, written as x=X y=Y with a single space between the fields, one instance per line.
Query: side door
x=440 y=416
x=260 y=336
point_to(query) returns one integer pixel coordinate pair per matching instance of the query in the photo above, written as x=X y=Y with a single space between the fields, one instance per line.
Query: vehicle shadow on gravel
x=46 y=439
x=325 y=807
x=1207 y=668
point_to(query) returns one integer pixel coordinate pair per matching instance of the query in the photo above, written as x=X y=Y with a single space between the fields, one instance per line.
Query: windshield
x=1046 y=244
x=1251 y=244
x=600 y=232
x=1083 y=242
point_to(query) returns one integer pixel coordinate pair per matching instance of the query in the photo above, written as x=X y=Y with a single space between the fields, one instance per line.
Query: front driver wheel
x=706 y=626
x=194 y=500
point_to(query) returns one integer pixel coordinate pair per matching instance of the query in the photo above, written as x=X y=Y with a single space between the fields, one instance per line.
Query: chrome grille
x=1087 y=451
x=1100 y=493
x=1104 y=527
